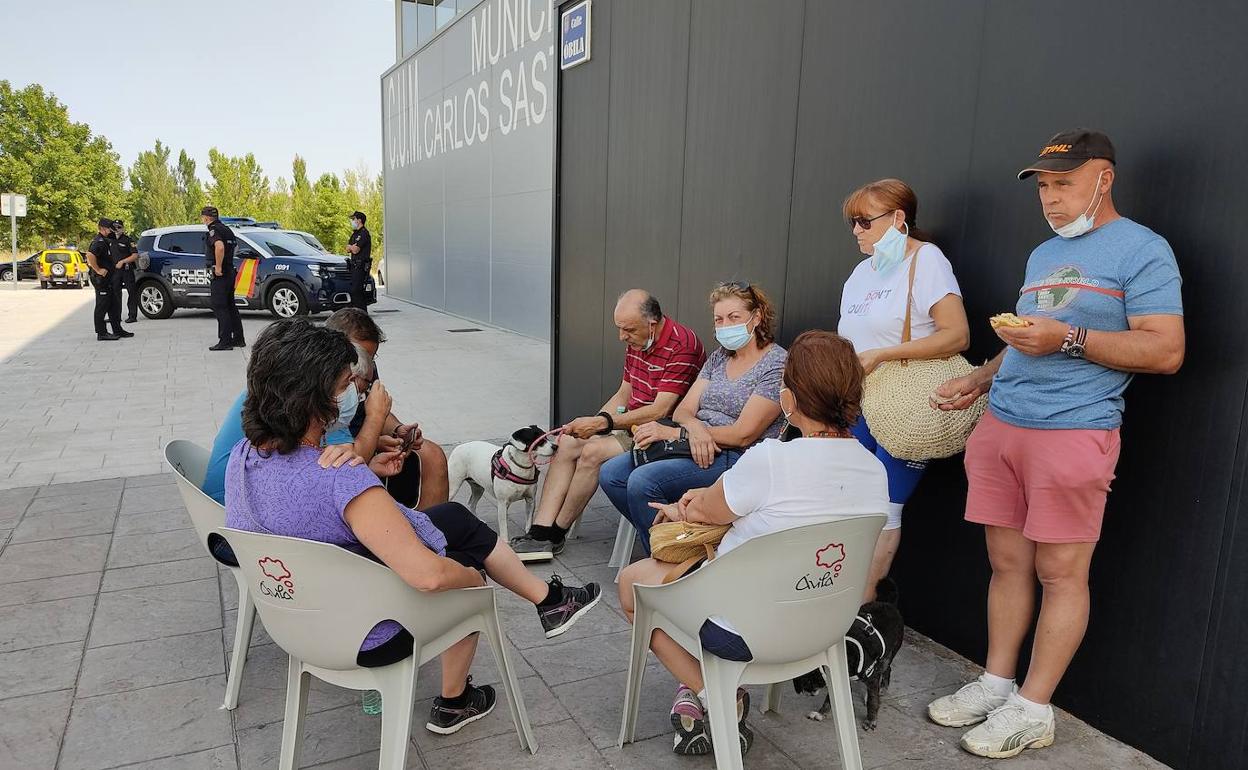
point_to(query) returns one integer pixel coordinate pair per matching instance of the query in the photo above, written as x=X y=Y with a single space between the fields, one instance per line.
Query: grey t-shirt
x=724 y=399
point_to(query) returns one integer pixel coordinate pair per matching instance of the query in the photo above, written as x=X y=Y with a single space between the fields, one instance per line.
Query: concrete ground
x=115 y=627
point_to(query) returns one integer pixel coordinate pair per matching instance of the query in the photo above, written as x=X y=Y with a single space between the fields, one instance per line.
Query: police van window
x=282 y=244
x=183 y=243
x=145 y=242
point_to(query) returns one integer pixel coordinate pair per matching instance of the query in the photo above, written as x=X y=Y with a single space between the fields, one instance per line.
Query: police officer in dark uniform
x=219 y=259
x=360 y=247
x=105 y=281
x=127 y=256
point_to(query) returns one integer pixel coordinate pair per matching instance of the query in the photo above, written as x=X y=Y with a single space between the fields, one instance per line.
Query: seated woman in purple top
x=296 y=379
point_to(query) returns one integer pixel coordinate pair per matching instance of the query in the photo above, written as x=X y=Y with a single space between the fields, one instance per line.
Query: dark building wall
x=715 y=139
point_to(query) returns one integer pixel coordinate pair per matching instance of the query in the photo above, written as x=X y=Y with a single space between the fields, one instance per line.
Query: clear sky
x=272 y=77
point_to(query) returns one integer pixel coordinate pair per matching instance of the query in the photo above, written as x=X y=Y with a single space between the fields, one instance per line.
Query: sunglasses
x=865 y=222
x=741 y=286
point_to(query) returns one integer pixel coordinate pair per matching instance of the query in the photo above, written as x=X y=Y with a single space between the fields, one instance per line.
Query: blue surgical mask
x=890 y=249
x=348 y=401
x=1082 y=223
x=733 y=337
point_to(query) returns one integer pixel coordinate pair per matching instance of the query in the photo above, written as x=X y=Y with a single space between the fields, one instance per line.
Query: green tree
x=300 y=196
x=328 y=212
x=239 y=187
x=189 y=187
x=154 y=191
x=71 y=177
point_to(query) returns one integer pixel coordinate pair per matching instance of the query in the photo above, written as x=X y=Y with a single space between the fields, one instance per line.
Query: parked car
x=274 y=270
x=26 y=268
x=310 y=239
x=61 y=267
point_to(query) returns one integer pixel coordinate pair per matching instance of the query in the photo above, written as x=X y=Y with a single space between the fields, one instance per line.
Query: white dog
x=508 y=472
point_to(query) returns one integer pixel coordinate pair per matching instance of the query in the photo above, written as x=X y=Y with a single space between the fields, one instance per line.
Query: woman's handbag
x=896 y=406
x=662 y=450
x=683 y=544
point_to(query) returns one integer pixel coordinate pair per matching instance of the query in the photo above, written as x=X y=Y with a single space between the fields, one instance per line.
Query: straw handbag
x=684 y=543
x=895 y=402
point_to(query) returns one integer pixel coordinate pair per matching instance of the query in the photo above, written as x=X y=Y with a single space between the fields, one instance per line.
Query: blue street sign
x=574 y=35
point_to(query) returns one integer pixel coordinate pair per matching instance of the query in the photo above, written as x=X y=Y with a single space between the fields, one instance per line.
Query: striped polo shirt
x=670 y=365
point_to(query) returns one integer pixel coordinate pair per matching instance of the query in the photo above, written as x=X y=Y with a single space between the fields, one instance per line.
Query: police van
x=273 y=270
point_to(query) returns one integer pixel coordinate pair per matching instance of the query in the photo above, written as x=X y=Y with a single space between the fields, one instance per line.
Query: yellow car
x=61 y=267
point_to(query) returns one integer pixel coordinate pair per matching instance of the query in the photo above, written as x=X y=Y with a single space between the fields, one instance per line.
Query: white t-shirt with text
x=873 y=306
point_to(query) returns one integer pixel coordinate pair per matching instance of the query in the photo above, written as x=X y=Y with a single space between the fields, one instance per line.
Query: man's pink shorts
x=1051 y=484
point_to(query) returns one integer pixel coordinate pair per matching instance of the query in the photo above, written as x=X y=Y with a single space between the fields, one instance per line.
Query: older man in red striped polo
x=662 y=360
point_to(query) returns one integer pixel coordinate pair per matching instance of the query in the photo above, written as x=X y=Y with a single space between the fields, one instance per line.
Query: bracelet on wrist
x=610 y=423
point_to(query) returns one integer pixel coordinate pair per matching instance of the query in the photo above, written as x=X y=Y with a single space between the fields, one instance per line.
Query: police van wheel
x=287 y=301
x=155 y=300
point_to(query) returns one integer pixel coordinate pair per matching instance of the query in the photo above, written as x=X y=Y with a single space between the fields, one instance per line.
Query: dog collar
x=501 y=470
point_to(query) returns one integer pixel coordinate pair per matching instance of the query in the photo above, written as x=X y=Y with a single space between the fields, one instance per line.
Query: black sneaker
x=557 y=548
x=745 y=734
x=222 y=346
x=575 y=603
x=107 y=337
x=444 y=720
x=123 y=334
x=530 y=548
x=239 y=343
x=134 y=320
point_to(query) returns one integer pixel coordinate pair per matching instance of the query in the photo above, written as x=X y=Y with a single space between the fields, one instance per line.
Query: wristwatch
x=1073 y=344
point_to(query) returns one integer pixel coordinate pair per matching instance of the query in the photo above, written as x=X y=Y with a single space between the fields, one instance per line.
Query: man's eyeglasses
x=865 y=222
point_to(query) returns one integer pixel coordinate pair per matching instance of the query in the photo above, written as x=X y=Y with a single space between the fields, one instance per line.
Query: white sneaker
x=1008 y=731
x=969 y=705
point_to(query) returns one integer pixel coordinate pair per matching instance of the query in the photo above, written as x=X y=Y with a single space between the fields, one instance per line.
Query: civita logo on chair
x=830 y=558
x=284 y=584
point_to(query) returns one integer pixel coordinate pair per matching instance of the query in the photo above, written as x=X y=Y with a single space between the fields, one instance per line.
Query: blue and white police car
x=273 y=270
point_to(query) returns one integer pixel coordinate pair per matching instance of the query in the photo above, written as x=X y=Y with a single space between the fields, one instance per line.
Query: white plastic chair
x=319 y=601
x=190 y=463
x=622 y=552
x=792 y=596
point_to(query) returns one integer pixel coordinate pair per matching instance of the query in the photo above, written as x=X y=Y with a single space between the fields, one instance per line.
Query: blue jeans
x=632 y=490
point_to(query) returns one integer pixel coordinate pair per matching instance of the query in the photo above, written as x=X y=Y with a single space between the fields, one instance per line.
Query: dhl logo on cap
x=1055 y=148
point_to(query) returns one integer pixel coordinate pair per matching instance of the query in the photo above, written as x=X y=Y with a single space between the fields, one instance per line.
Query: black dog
x=870 y=646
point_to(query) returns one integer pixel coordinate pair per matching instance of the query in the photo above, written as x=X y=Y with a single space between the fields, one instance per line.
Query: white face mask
x=788 y=416
x=890 y=249
x=1082 y=223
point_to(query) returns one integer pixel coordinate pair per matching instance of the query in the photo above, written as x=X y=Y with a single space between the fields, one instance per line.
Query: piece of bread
x=1007 y=319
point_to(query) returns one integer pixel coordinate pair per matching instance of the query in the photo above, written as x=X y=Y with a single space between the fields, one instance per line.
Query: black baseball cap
x=118 y=224
x=1069 y=150
x=209 y=211
x=105 y=222
x=359 y=215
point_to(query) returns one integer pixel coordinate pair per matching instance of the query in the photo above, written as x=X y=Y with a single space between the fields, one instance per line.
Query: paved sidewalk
x=74 y=409
x=115 y=627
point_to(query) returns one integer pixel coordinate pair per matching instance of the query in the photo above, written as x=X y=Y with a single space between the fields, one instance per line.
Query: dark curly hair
x=291 y=380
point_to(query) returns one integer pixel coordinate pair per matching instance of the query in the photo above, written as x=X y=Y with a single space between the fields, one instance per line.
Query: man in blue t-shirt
x=1100 y=303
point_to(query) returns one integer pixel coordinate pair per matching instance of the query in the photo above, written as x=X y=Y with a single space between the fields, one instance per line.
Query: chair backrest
x=318 y=601
x=790 y=594
x=190 y=462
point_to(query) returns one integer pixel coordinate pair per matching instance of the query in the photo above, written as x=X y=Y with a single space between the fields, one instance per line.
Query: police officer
x=219 y=259
x=360 y=247
x=127 y=256
x=104 y=279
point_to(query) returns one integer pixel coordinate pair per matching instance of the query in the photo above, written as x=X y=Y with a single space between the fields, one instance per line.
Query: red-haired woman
x=873 y=309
